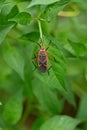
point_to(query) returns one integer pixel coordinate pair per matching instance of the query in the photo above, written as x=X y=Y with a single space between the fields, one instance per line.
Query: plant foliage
x=26 y=94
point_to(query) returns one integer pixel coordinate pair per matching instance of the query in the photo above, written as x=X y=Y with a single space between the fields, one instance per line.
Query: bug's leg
x=41 y=40
x=35 y=66
x=49 y=69
x=33 y=59
x=48 y=46
x=35 y=52
x=49 y=55
x=50 y=66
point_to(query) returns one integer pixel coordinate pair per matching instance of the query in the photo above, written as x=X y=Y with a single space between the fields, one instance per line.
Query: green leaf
x=86 y=73
x=4 y=29
x=79 y=48
x=3 y=19
x=60 y=123
x=2 y=122
x=53 y=9
x=38 y=122
x=22 y=0
x=57 y=74
x=1 y=2
x=41 y=2
x=23 y=18
x=52 y=82
x=82 y=111
x=5 y=10
x=51 y=14
x=14 y=59
x=47 y=97
x=13 y=109
x=30 y=36
x=57 y=60
x=14 y=11
x=58 y=66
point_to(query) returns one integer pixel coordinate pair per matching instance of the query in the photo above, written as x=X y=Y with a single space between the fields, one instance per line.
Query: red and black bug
x=42 y=59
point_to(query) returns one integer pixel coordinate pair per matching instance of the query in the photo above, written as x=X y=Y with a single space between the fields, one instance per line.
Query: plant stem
x=40 y=29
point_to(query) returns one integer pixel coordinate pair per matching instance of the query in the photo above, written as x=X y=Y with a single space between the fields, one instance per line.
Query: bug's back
x=42 y=61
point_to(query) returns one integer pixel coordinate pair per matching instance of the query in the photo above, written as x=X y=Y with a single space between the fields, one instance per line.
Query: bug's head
x=41 y=47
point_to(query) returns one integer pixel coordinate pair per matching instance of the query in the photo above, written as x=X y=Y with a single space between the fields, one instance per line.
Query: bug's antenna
x=34 y=42
x=41 y=42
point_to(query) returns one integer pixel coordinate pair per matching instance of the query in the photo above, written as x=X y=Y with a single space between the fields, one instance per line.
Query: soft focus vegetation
x=31 y=100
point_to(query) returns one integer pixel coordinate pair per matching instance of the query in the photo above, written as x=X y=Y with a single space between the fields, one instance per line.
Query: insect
x=42 y=59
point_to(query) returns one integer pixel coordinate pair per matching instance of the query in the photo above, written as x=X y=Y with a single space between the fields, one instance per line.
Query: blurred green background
x=31 y=100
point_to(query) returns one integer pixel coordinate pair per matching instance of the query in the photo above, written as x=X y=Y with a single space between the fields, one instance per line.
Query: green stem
x=40 y=29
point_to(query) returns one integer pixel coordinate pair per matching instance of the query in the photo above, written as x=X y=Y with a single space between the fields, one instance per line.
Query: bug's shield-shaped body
x=42 y=60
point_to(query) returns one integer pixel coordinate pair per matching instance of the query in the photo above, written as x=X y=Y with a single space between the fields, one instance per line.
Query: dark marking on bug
x=43 y=68
x=42 y=60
